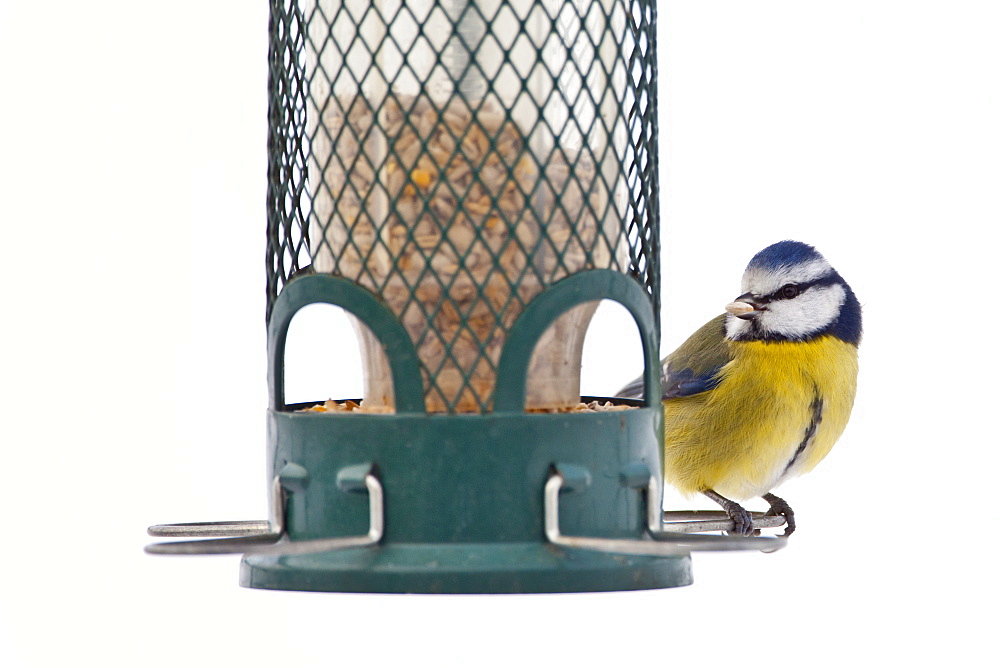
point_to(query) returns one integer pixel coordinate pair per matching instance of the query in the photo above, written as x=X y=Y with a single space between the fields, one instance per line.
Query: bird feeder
x=467 y=179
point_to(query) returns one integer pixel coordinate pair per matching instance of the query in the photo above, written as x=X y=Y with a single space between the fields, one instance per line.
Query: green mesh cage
x=456 y=158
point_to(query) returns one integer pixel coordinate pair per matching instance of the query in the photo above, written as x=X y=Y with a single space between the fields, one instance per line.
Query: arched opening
x=322 y=356
x=612 y=351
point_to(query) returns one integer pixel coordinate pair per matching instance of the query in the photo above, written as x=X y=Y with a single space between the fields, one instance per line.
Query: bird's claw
x=742 y=521
x=780 y=508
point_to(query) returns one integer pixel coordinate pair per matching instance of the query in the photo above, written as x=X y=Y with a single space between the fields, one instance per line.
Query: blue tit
x=761 y=393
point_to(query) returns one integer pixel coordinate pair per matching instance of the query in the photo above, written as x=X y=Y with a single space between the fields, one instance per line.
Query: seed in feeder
x=427 y=240
x=331 y=406
x=421 y=177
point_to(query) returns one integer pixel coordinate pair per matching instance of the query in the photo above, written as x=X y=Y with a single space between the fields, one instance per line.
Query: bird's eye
x=789 y=291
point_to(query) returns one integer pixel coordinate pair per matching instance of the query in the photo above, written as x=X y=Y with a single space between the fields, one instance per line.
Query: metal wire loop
x=661 y=542
x=260 y=537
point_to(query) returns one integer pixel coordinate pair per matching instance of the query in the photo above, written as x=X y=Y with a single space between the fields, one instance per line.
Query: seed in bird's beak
x=739 y=308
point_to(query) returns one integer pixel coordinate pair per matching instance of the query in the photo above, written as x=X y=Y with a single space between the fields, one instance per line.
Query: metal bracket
x=662 y=542
x=263 y=537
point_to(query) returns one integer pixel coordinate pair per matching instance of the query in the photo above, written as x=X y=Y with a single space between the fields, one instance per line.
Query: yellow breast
x=777 y=411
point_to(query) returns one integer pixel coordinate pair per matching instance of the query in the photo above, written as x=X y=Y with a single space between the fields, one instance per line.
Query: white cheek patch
x=762 y=281
x=811 y=311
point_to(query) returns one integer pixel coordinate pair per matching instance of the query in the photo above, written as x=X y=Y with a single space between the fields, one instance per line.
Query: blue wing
x=694 y=367
x=685 y=382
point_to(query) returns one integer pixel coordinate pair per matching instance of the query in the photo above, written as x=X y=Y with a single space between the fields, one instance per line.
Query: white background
x=132 y=180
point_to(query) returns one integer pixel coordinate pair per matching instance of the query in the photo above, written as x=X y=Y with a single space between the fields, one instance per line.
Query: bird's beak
x=745 y=308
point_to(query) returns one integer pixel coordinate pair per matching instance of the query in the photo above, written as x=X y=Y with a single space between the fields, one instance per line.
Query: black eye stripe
x=802 y=287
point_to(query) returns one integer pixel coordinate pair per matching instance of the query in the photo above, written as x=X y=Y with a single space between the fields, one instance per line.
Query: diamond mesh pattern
x=457 y=156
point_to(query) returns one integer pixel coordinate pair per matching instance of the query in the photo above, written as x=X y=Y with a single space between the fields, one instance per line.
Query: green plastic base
x=464 y=569
x=463 y=494
x=464 y=502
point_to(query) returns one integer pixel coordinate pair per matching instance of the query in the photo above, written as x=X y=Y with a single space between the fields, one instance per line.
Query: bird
x=760 y=393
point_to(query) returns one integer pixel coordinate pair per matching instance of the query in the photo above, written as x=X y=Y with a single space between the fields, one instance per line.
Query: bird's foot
x=742 y=522
x=780 y=508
